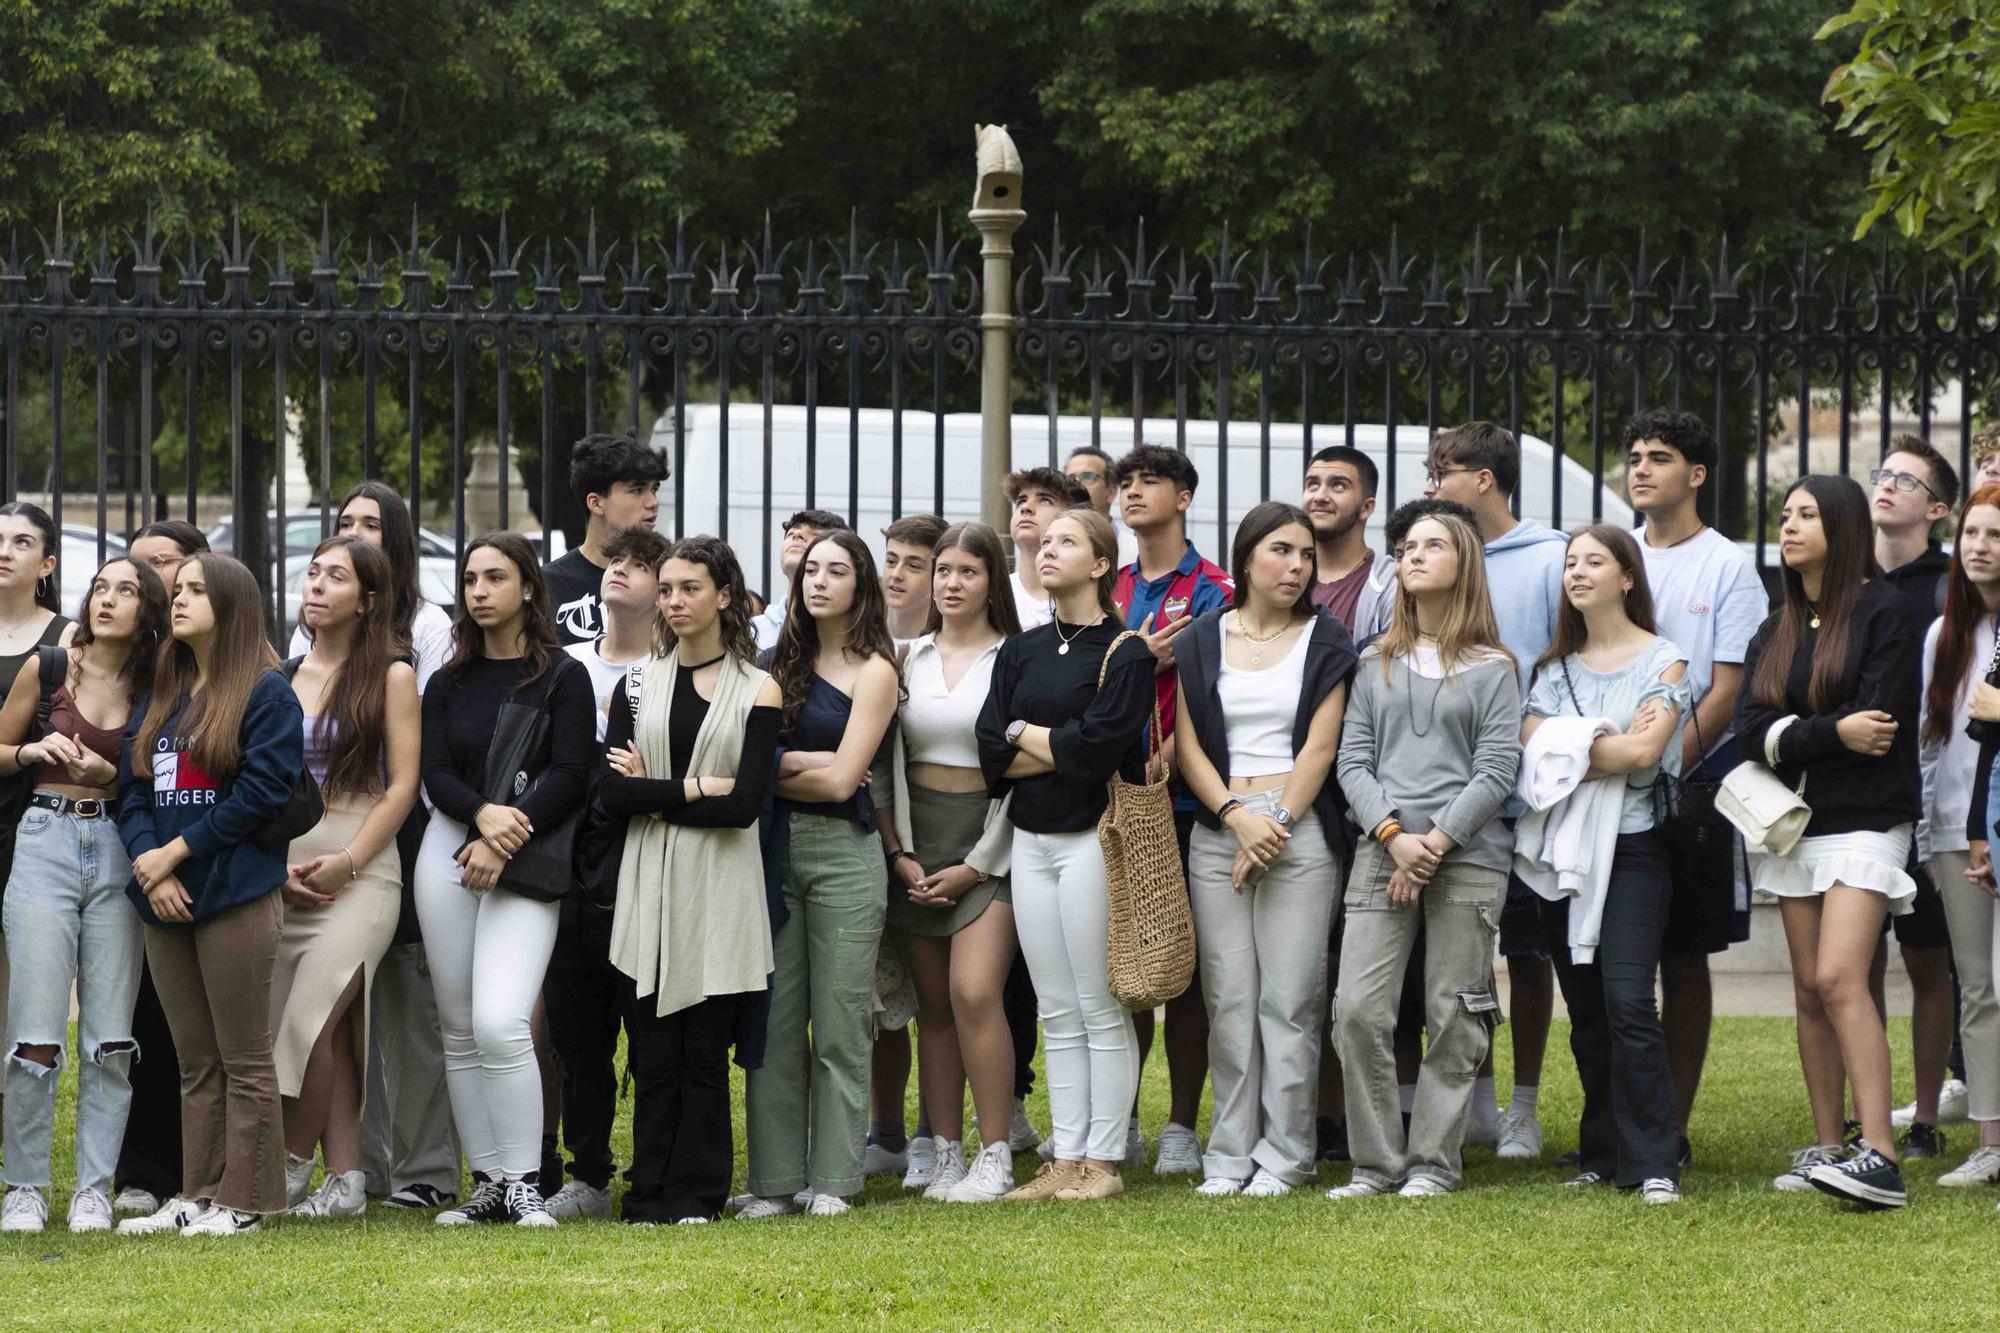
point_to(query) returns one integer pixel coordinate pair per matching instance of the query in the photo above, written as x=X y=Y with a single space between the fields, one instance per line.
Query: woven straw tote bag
x=1151 y=945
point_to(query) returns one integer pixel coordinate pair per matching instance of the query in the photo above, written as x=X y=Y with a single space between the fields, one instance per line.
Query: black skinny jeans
x=683 y=1146
x=150 y=1157
x=1627 y=1133
x=584 y=998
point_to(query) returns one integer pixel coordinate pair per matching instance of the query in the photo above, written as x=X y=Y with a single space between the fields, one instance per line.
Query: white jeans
x=488 y=953
x=1062 y=917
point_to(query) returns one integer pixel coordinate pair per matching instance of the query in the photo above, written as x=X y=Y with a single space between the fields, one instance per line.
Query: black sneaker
x=1867 y=1178
x=420 y=1195
x=1921 y=1140
x=487 y=1204
x=1850 y=1134
x=1332 y=1136
x=525 y=1207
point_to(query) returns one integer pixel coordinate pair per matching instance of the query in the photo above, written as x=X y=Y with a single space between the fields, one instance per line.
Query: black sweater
x=1093 y=733
x=667 y=797
x=1848 y=792
x=460 y=709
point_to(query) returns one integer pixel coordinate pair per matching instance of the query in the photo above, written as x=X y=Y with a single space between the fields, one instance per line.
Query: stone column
x=996 y=212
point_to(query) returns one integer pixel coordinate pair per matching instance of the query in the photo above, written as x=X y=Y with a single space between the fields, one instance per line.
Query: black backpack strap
x=53 y=664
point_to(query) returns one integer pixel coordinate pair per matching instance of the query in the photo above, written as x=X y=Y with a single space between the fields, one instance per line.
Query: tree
x=1922 y=94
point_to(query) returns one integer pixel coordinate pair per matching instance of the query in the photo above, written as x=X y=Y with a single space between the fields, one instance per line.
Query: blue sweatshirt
x=215 y=816
x=1524 y=575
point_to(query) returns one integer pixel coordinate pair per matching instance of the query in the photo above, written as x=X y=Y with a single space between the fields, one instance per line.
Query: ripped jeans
x=67 y=920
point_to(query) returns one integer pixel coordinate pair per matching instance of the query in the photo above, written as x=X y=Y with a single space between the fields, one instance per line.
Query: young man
x=1035 y=495
x=906 y=573
x=1708 y=601
x=617 y=479
x=582 y=991
x=1478 y=465
x=1091 y=468
x=1911 y=493
x=1985 y=460
x=1161 y=592
x=801 y=530
x=1340 y=499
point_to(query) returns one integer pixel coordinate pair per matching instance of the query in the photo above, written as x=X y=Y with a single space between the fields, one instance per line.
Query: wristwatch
x=1283 y=816
x=1014 y=730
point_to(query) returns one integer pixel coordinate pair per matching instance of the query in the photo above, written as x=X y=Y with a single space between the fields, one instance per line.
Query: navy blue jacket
x=1330 y=659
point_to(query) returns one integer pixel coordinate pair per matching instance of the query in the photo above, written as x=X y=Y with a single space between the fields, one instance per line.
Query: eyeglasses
x=1437 y=475
x=1088 y=478
x=1905 y=481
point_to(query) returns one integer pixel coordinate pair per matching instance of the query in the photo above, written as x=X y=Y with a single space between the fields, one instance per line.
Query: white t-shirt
x=766 y=626
x=1950 y=766
x=604 y=676
x=1709 y=601
x=430 y=639
x=1034 y=610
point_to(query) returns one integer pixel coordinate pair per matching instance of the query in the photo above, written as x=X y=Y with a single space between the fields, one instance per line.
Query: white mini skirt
x=1861 y=860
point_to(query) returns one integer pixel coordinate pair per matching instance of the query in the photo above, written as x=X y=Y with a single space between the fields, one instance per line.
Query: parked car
x=436 y=562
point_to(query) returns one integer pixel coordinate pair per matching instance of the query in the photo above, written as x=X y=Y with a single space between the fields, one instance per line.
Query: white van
x=752 y=536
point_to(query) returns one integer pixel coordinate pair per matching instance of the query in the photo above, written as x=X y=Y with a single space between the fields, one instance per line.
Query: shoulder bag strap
x=1153 y=749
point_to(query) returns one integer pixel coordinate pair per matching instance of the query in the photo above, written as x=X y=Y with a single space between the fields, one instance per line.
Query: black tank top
x=10 y=663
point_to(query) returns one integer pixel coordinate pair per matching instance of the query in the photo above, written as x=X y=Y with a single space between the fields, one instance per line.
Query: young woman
x=1957 y=745
x=489 y=946
x=374 y=513
x=1830 y=701
x=1608 y=662
x=696 y=751
x=206 y=766
x=1052 y=736
x=836 y=669
x=65 y=911
x=1263 y=688
x=1430 y=746
x=344 y=894
x=948 y=846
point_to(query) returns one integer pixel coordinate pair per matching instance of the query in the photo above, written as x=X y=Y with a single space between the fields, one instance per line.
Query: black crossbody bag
x=517 y=763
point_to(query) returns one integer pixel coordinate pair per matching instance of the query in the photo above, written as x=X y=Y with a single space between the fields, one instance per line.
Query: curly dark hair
x=1682 y=431
x=599 y=462
x=796 y=658
x=1160 y=461
x=539 y=641
x=154 y=627
x=715 y=555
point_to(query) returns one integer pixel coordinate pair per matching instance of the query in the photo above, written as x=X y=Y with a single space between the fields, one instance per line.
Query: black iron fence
x=141 y=377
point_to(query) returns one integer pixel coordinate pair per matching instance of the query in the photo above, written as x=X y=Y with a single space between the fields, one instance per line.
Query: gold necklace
x=1243 y=628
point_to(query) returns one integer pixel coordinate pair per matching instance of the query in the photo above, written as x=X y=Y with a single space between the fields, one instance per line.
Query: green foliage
x=1922 y=94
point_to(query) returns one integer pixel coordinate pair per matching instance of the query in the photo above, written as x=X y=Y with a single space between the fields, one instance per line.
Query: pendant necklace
x=1256 y=655
x=1815 y=614
x=1067 y=639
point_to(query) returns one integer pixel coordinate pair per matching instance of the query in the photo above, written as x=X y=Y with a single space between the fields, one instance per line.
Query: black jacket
x=1330 y=659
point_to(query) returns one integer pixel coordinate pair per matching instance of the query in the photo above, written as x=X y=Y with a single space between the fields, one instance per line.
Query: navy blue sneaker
x=1867 y=1178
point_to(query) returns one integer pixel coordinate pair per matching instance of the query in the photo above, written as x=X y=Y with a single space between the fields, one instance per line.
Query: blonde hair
x=1103 y=540
x=1469 y=632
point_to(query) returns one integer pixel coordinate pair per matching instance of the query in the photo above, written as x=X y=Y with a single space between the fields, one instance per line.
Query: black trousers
x=1017 y=1002
x=150 y=1157
x=1627 y=1134
x=584 y=996
x=683 y=1146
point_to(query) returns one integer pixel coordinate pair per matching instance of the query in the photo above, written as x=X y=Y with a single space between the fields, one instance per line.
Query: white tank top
x=1260 y=707
x=938 y=722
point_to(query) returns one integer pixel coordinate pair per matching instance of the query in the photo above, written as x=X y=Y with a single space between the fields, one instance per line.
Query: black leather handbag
x=516 y=764
x=303 y=809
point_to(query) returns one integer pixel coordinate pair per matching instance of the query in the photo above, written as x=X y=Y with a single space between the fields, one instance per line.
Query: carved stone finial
x=999 y=168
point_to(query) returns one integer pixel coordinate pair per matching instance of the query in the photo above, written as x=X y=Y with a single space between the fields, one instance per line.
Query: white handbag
x=1771 y=816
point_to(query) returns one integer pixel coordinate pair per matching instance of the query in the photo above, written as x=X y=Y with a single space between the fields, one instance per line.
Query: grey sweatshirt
x=1456 y=775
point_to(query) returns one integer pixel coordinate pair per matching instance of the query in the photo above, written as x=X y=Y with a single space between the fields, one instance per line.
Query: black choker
x=709 y=663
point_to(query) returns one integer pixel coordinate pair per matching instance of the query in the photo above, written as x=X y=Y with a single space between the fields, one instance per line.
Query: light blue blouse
x=1618 y=696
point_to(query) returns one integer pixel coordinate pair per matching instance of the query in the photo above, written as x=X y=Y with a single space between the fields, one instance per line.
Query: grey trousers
x=407 y=1137
x=1974 y=923
x=1263 y=978
x=1460 y=916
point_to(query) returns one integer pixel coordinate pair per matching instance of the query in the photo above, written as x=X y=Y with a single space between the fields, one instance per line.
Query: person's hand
x=1244 y=872
x=36 y=753
x=480 y=866
x=90 y=769
x=1646 y=716
x=1985 y=702
x=906 y=871
x=1439 y=842
x=149 y=868
x=945 y=887
x=796 y=762
x=1413 y=855
x=1869 y=732
x=1160 y=642
x=626 y=763
x=1261 y=836
x=300 y=894
x=504 y=828
x=1404 y=888
x=1979 y=868
x=326 y=875
x=170 y=900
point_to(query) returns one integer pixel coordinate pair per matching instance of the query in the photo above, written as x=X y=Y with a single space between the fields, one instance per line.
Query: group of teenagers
x=625 y=793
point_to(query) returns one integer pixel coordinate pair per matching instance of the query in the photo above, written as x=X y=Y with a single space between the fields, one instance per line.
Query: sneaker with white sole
x=1483 y=1131
x=132 y=1200
x=948 y=1169
x=25 y=1209
x=1360 y=1189
x=341 y=1194
x=89 y=1210
x=420 y=1195
x=1798 y=1179
x=1264 y=1185
x=990 y=1177
x=1022 y=1134
x=1584 y=1179
x=1520 y=1137
x=1867 y=1178
x=1219 y=1187
x=1658 y=1189
x=1982 y=1168
x=691 y=1221
x=759 y=1208
x=223 y=1222
x=173 y=1215
x=879 y=1161
x=525 y=1205
x=298 y=1179
x=579 y=1199
x=1179 y=1152
x=1135 y=1144
x=488 y=1204
x=828 y=1205
x=923 y=1155
x=1953 y=1097
x=1423 y=1187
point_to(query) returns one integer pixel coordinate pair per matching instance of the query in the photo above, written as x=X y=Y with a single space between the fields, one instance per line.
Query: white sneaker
x=1798 y=1179
x=1982 y=1168
x=173 y=1215
x=760 y=1208
x=341 y=1194
x=923 y=1155
x=1483 y=1133
x=1264 y=1185
x=1219 y=1187
x=25 y=1209
x=1520 y=1137
x=1022 y=1134
x=990 y=1176
x=879 y=1161
x=1658 y=1189
x=690 y=1221
x=1179 y=1152
x=577 y=1199
x=1135 y=1144
x=89 y=1210
x=223 y=1222
x=1359 y=1189
x=828 y=1205
x=949 y=1168
x=1953 y=1098
x=132 y=1199
x=1423 y=1187
x=298 y=1179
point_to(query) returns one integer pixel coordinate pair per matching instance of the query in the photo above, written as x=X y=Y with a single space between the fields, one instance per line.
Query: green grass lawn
x=1513 y=1250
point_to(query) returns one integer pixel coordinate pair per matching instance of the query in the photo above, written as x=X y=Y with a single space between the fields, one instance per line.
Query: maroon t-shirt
x=1340 y=595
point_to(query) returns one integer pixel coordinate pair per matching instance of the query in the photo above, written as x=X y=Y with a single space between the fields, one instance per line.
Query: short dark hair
x=1397 y=529
x=182 y=534
x=1944 y=477
x=1682 y=431
x=1050 y=480
x=1481 y=446
x=599 y=462
x=644 y=545
x=1363 y=465
x=1161 y=461
x=1090 y=451
x=820 y=520
x=915 y=530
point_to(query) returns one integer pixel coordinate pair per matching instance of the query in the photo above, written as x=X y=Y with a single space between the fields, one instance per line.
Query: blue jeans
x=68 y=921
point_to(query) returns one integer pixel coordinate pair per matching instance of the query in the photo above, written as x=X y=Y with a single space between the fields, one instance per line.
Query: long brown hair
x=357 y=697
x=1103 y=546
x=238 y=656
x=714 y=555
x=1571 y=633
x=1963 y=606
x=539 y=642
x=1469 y=630
x=399 y=547
x=1263 y=520
x=1850 y=562
x=796 y=658
x=984 y=542
x=147 y=634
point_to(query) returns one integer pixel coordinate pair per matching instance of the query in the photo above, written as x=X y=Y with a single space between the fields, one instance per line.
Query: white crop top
x=937 y=722
x=1260 y=707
